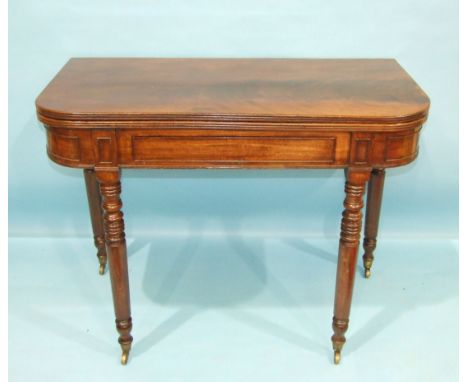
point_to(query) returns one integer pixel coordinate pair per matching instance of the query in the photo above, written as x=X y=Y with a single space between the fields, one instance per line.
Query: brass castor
x=102 y=269
x=125 y=352
x=102 y=258
x=367 y=273
x=337 y=357
x=124 y=357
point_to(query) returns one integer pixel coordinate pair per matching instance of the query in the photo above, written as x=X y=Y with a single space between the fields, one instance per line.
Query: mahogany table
x=104 y=114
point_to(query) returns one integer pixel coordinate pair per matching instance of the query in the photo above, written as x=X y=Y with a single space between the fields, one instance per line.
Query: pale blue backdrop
x=221 y=288
x=421 y=200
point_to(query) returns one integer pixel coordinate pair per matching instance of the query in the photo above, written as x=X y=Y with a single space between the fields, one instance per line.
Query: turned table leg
x=109 y=181
x=95 y=210
x=374 y=202
x=349 y=246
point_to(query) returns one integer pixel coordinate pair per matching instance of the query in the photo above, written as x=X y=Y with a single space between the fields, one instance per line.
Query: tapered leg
x=95 y=210
x=374 y=202
x=347 y=256
x=109 y=181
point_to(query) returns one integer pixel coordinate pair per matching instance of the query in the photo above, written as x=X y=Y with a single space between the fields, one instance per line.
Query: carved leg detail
x=374 y=202
x=338 y=338
x=95 y=210
x=347 y=257
x=124 y=327
x=117 y=252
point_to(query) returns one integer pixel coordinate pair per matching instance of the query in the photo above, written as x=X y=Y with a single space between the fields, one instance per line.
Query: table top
x=310 y=90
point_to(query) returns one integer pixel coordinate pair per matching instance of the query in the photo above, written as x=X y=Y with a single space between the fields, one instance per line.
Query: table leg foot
x=338 y=338
x=337 y=357
x=102 y=268
x=125 y=353
x=367 y=272
x=124 y=328
x=368 y=257
x=102 y=257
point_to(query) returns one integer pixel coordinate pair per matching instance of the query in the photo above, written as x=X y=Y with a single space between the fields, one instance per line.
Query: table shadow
x=232 y=276
x=228 y=278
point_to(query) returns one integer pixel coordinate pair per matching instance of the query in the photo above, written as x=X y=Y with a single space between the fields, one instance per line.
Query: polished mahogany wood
x=374 y=202
x=326 y=90
x=95 y=210
x=105 y=114
x=240 y=113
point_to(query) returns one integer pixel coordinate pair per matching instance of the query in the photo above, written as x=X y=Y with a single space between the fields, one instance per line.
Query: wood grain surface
x=310 y=90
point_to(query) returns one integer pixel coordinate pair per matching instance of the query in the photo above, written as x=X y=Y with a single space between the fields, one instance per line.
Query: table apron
x=185 y=148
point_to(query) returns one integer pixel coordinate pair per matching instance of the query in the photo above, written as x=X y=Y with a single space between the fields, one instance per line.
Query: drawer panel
x=147 y=148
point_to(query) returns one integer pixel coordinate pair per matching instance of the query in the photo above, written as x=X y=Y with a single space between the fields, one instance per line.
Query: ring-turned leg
x=109 y=181
x=95 y=210
x=374 y=202
x=349 y=246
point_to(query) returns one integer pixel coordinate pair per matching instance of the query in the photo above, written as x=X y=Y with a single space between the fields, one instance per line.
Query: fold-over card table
x=104 y=114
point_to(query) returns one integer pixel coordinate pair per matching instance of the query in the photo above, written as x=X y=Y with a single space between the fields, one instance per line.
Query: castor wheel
x=125 y=352
x=337 y=357
x=102 y=269
x=124 y=357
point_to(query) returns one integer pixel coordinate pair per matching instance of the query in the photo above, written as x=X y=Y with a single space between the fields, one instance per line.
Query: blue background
x=420 y=199
x=232 y=272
